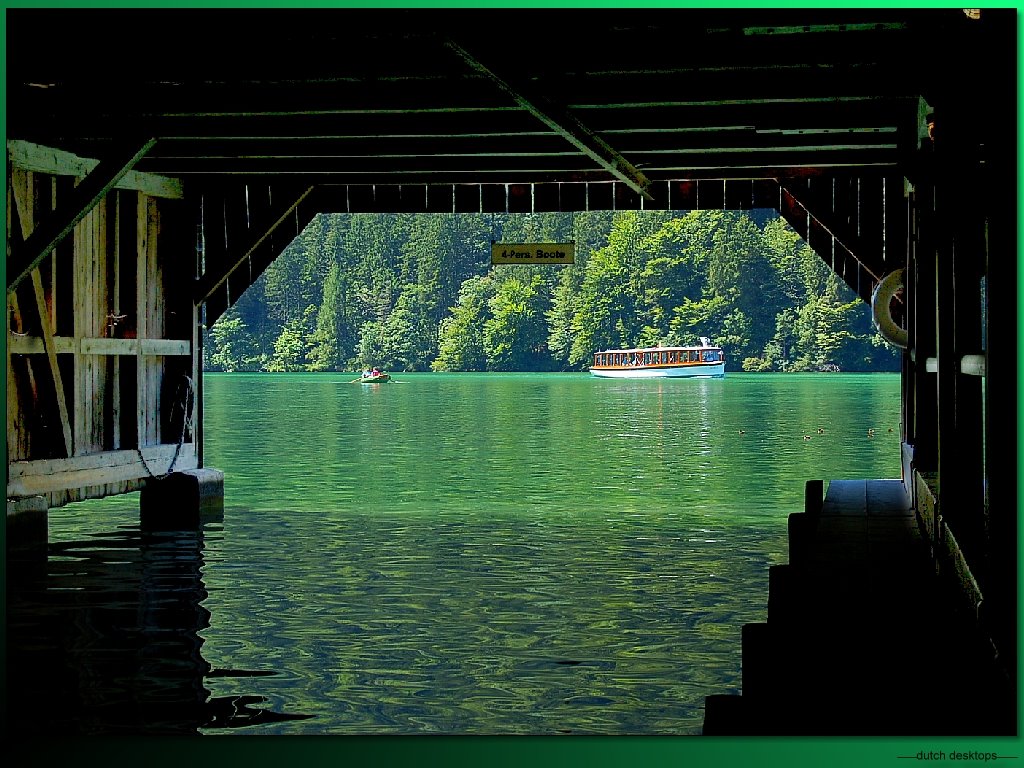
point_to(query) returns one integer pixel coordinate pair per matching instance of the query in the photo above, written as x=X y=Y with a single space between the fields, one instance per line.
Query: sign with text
x=533 y=253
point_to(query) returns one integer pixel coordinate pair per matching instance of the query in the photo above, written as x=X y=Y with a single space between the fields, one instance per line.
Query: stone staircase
x=859 y=639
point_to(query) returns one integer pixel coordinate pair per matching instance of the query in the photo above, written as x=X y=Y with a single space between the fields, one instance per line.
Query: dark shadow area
x=104 y=638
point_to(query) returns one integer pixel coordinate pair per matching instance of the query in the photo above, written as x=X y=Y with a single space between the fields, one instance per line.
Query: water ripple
x=486 y=555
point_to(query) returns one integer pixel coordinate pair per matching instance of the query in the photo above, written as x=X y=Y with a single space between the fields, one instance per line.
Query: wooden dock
x=861 y=638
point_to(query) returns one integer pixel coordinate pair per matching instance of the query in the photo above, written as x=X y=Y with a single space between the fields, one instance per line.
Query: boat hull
x=698 y=371
x=383 y=378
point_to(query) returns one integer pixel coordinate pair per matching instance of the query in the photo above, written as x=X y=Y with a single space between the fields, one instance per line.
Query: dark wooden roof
x=491 y=96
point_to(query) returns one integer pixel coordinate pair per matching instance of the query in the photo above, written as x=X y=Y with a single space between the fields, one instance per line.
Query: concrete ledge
x=814 y=496
x=801 y=528
x=926 y=495
x=27 y=527
x=183 y=500
x=726 y=715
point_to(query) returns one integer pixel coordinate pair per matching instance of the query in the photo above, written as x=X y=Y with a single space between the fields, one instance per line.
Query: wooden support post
x=967 y=266
x=24 y=203
x=924 y=430
x=27 y=529
x=946 y=440
x=149 y=316
x=86 y=195
x=1002 y=480
x=182 y=500
x=51 y=356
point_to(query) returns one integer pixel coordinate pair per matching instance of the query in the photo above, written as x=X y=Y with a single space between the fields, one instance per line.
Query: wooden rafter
x=94 y=187
x=563 y=123
x=258 y=234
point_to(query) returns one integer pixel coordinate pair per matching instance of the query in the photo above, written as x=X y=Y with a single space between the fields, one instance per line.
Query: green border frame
x=516 y=751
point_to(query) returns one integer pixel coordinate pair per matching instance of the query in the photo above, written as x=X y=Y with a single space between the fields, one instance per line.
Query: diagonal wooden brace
x=258 y=233
x=94 y=187
x=564 y=124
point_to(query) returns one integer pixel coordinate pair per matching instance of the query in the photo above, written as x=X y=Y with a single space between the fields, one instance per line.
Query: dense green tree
x=326 y=354
x=292 y=347
x=232 y=346
x=417 y=292
x=515 y=337
x=461 y=342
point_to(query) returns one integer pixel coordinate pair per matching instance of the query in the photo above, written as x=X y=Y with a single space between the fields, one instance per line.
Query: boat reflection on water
x=104 y=638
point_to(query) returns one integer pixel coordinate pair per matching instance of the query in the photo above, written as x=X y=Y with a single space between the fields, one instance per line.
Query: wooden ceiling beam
x=532 y=144
x=563 y=123
x=525 y=166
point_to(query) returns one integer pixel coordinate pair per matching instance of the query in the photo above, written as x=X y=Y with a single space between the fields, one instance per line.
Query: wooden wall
x=101 y=340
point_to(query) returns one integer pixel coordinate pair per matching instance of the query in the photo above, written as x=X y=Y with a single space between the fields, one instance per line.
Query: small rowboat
x=381 y=378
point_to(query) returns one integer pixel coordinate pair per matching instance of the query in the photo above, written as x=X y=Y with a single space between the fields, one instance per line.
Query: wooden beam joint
x=94 y=187
x=563 y=123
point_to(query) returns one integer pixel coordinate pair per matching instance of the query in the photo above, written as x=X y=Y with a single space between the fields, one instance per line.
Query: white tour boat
x=706 y=361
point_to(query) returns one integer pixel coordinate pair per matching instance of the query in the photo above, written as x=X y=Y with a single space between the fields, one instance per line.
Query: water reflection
x=105 y=639
x=470 y=554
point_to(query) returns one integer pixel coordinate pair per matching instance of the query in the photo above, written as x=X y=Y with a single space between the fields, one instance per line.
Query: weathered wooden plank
x=23 y=388
x=14 y=406
x=63 y=345
x=165 y=347
x=155 y=313
x=14 y=412
x=101 y=346
x=99 y=319
x=197 y=380
x=35 y=157
x=29 y=478
x=94 y=187
x=80 y=291
x=92 y=393
x=151 y=347
x=115 y=311
x=35 y=345
x=147 y=385
x=51 y=355
x=240 y=255
x=24 y=203
x=141 y=315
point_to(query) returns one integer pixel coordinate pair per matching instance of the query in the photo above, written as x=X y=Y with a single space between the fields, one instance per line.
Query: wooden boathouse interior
x=145 y=194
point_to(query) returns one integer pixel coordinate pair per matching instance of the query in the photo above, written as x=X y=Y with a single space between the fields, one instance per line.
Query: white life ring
x=881 y=312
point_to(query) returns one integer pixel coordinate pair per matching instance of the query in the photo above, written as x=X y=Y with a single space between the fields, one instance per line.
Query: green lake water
x=446 y=553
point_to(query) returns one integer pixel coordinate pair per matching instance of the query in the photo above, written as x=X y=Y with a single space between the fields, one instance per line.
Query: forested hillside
x=417 y=292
